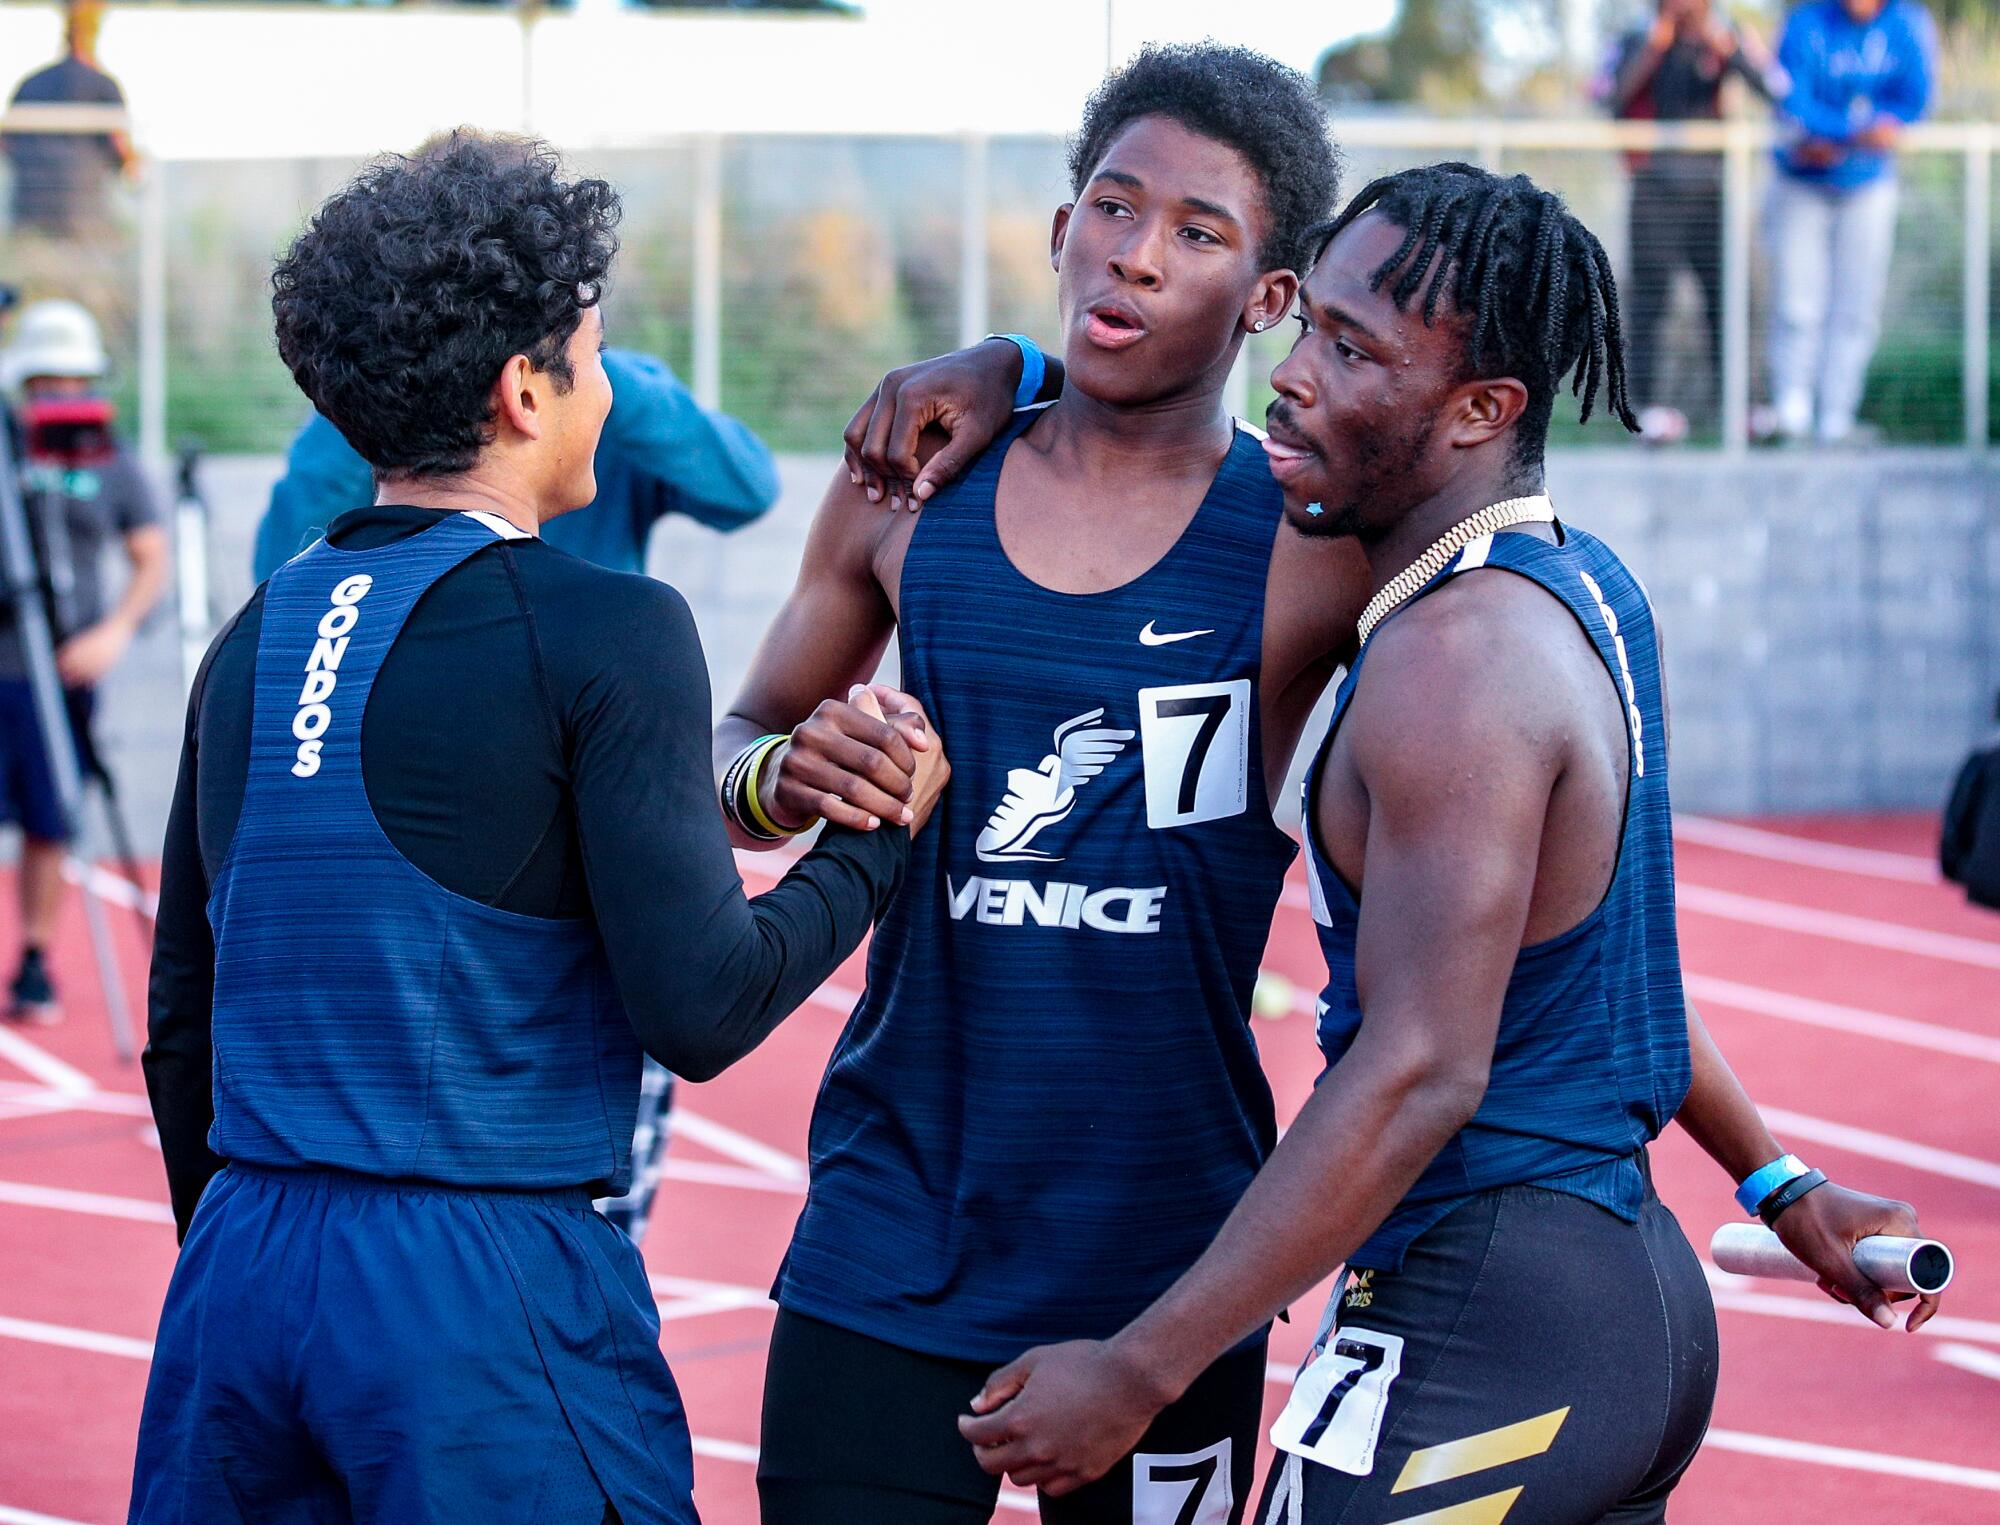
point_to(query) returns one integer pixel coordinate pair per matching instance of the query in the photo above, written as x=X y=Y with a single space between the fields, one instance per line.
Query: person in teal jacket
x=661 y=453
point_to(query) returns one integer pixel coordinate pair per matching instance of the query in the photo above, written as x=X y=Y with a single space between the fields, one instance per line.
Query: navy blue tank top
x=1591 y=1060
x=365 y=1017
x=1048 y=1098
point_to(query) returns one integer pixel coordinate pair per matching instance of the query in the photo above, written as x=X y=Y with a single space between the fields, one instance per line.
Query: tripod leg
x=116 y=1004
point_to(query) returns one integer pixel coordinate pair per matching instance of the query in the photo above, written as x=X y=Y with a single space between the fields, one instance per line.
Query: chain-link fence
x=783 y=274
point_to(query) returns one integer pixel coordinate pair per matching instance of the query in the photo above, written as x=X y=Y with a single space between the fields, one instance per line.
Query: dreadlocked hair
x=1532 y=285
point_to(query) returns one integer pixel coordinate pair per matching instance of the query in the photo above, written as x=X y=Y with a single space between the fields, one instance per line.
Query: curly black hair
x=415 y=283
x=1266 y=112
x=1531 y=284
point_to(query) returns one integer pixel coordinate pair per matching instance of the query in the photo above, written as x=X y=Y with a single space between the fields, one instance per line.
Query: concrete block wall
x=1832 y=620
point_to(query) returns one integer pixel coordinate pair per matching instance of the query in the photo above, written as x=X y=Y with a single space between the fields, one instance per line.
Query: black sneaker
x=34 y=992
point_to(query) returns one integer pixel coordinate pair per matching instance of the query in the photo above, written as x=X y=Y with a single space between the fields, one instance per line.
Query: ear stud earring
x=1258 y=325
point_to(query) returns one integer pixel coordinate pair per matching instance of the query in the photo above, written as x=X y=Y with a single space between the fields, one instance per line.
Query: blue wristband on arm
x=1034 y=368
x=1759 y=1184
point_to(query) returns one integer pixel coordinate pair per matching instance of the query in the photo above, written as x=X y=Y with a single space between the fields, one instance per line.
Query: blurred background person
x=1969 y=850
x=62 y=180
x=1674 y=69
x=661 y=453
x=85 y=491
x=1860 y=72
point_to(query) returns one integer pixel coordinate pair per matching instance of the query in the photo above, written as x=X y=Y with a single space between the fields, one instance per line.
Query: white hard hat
x=55 y=338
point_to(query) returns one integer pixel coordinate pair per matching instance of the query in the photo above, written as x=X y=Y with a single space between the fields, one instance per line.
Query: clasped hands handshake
x=870 y=760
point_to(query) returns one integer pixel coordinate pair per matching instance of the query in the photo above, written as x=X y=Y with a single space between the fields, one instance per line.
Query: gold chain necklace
x=1488 y=521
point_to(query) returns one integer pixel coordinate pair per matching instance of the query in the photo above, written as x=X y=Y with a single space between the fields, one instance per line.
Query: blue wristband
x=1759 y=1184
x=1034 y=368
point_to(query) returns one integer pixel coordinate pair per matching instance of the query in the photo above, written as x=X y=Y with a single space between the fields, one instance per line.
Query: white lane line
x=1862 y=930
x=679 y=1297
x=725 y=1450
x=1847 y=1019
x=12 y=1516
x=839 y=999
x=1729 y=1296
x=703 y=1173
x=76 y=1339
x=1856 y=1461
x=22 y=1194
x=1760 y=842
x=1882 y=1146
x=107 y=886
x=740 y=1147
x=1985 y=1363
x=47 y=1098
x=43 y=1065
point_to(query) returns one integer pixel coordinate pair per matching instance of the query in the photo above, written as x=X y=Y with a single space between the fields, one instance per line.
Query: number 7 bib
x=1338 y=1402
x=1196 y=740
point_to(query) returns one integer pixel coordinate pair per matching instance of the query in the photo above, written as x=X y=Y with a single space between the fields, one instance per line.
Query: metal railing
x=720 y=229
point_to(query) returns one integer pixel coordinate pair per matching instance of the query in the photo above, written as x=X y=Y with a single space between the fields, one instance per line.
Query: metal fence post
x=707 y=316
x=1978 y=272
x=152 y=336
x=974 y=297
x=1737 y=190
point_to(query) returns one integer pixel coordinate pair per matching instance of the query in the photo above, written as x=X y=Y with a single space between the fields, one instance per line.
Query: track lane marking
x=94 y=1203
x=1985 y=1363
x=1782 y=847
x=1727 y=1290
x=93 y=1340
x=741 y=1147
x=1863 y=931
x=1857 y=1461
x=1848 y=1019
x=48 y=1098
x=56 y=1074
x=12 y=1516
x=1783 y=916
x=1883 y=1146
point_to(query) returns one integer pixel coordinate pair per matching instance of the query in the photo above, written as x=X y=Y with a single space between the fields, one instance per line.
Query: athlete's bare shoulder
x=853 y=539
x=1479 y=672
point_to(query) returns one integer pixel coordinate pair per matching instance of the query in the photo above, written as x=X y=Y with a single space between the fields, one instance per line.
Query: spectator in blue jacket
x=661 y=453
x=1860 y=72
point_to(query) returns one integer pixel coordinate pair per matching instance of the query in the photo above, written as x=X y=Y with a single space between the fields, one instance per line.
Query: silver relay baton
x=1893 y=1264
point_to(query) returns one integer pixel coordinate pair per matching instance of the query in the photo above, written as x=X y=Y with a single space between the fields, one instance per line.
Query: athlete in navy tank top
x=1049 y=1097
x=1504 y=1025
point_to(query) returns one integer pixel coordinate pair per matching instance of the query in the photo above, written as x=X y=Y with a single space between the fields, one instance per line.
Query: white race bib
x=1339 y=1401
x=1190 y=1489
x=1196 y=738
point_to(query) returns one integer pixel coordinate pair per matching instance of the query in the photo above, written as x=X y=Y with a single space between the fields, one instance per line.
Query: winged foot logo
x=1038 y=798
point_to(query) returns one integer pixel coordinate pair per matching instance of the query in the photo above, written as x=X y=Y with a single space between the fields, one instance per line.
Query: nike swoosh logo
x=1151 y=637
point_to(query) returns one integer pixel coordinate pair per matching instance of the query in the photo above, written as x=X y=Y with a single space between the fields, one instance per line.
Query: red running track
x=1858 y=998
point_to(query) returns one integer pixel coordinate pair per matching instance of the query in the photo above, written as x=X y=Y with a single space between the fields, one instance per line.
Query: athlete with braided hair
x=1491 y=871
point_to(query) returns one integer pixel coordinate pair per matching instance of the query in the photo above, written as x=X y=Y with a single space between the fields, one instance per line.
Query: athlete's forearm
x=1718 y=1113
x=1359 y=1143
x=733 y=733
x=147 y=550
x=179 y=1056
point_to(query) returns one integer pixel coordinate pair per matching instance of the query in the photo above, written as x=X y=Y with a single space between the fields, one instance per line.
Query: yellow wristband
x=750 y=791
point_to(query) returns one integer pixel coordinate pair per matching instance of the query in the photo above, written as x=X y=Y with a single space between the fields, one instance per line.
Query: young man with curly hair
x=443 y=859
x=1049 y=1098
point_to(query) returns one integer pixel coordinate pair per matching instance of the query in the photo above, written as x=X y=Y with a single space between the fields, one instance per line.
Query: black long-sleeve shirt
x=538 y=739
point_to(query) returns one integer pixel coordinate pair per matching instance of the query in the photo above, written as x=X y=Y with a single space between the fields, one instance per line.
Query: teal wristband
x=1034 y=368
x=1759 y=1184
